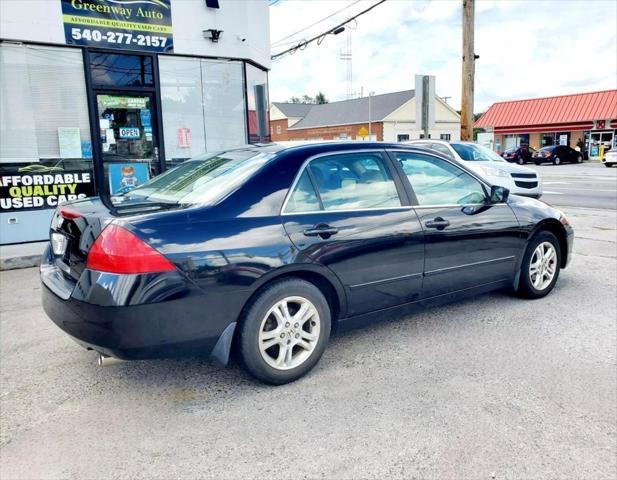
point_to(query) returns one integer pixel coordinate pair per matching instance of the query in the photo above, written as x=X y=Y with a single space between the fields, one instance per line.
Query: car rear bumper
x=133 y=316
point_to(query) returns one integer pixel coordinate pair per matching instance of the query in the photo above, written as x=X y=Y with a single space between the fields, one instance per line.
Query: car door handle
x=438 y=223
x=322 y=229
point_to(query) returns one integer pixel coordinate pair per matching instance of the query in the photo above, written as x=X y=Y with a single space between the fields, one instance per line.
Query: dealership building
x=98 y=96
x=590 y=118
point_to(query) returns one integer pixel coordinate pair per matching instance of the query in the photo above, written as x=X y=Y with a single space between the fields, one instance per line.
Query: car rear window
x=203 y=180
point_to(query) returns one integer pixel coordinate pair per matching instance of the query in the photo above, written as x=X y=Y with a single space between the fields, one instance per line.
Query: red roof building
x=565 y=119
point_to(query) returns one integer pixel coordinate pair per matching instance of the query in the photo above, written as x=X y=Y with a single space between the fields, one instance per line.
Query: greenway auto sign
x=125 y=24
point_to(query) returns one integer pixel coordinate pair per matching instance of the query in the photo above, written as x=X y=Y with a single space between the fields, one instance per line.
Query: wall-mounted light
x=213 y=34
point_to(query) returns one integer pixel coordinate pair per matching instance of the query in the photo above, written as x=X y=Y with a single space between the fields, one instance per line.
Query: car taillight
x=118 y=250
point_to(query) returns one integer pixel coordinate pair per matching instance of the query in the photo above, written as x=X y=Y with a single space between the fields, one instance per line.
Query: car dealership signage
x=33 y=191
x=124 y=24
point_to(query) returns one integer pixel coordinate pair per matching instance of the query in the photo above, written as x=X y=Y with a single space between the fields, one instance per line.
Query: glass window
x=438 y=147
x=203 y=180
x=402 y=137
x=223 y=103
x=437 y=182
x=476 y=153
x=444 y=136
x=183 y=112
x=43 y=107
x=257 y=99
x=110 y=69
x=203 y=106
x=303 y=198
x=354 y=181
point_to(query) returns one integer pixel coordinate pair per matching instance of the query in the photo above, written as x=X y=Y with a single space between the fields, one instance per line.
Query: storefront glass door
x=127 y=135
x=598 y=139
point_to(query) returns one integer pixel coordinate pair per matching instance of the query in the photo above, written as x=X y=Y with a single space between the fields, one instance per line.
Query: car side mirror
x=499 y=194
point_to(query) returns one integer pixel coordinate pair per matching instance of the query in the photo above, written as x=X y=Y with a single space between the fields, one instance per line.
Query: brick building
x=388 y=117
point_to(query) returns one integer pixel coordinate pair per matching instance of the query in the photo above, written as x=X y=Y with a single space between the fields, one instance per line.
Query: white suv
x=610 y=158
x=486 y=163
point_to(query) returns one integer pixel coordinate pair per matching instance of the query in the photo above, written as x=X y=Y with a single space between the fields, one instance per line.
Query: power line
x=313 y=24
x=319 y=38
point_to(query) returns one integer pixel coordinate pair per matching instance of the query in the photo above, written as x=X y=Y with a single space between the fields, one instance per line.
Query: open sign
x=129 y=133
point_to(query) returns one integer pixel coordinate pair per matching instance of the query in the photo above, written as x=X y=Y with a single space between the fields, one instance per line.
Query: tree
x=307 y=99
x=320 y=98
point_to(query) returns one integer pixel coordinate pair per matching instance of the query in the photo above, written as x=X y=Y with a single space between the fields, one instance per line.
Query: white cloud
x=527 y=48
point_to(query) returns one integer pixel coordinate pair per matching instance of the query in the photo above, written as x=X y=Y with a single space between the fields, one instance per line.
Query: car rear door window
x=352 y=181
x=303 y=198
x=438 y=182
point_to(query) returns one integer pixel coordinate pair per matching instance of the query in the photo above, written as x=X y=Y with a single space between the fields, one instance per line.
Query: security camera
x=241 y=38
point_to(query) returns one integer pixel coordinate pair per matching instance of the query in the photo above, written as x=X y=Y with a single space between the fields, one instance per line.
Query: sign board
x=363 y=132
x=124 y=177
x=115 y=101
x=36 y=191
x=563 y=139
x=425 y=102
x=129 y=133
x=122 y=24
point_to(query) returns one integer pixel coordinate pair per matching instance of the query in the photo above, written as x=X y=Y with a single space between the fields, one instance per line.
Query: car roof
x=322 y=146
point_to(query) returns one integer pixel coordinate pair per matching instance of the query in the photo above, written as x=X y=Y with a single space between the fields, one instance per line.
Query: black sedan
x=266 y=250
x=520 y=155
x=557 y=154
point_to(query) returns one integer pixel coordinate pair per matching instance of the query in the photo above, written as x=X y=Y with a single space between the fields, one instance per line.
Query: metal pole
x=469 y=59
x=370 y=94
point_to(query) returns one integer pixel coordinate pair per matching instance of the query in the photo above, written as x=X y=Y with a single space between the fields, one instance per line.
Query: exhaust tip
x=106 y=361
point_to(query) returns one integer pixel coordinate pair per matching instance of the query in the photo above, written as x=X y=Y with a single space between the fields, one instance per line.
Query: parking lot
x=493 y=387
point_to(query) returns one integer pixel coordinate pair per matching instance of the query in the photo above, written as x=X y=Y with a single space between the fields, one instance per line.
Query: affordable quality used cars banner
x=43 y=190
x=124 y=24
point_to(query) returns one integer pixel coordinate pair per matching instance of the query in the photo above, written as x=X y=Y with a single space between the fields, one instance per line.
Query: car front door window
x=437 y=182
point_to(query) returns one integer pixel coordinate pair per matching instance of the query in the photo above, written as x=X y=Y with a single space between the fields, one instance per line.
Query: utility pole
x=469 y=60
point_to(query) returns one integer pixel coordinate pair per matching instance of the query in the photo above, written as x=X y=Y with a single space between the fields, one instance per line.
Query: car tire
x=608 y=165
x=520 y=161
x=537 y=164
x=539 y=272
x=298 y=344
x=556 y=161
x=579 y=159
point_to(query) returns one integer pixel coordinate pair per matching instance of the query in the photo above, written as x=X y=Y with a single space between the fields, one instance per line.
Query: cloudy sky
x=527 y=48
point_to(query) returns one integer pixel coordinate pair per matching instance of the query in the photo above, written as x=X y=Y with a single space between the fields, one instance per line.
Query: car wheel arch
x=556 y=228
x=325 y=281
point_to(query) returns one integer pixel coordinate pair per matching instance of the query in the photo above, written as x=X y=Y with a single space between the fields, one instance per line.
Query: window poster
x=21 y=191
x=124 y=177
x=69 y=140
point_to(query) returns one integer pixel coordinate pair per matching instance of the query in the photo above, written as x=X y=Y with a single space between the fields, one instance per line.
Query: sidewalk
x=21 y=256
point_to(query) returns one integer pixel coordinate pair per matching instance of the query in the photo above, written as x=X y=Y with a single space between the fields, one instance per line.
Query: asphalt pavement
x=493 y=387
x=589 y=185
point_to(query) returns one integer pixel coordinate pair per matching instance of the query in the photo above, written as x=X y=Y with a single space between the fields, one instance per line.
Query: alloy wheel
x=289 y=333
x=543 y=265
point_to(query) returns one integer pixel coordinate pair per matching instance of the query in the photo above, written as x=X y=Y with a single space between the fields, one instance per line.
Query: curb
x=25 y=261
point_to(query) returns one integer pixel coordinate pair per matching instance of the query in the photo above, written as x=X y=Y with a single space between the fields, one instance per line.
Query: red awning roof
x=565 y=109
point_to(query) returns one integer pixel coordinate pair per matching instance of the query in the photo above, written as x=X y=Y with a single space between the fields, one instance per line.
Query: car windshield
x=203 y=180
x=476 y=153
